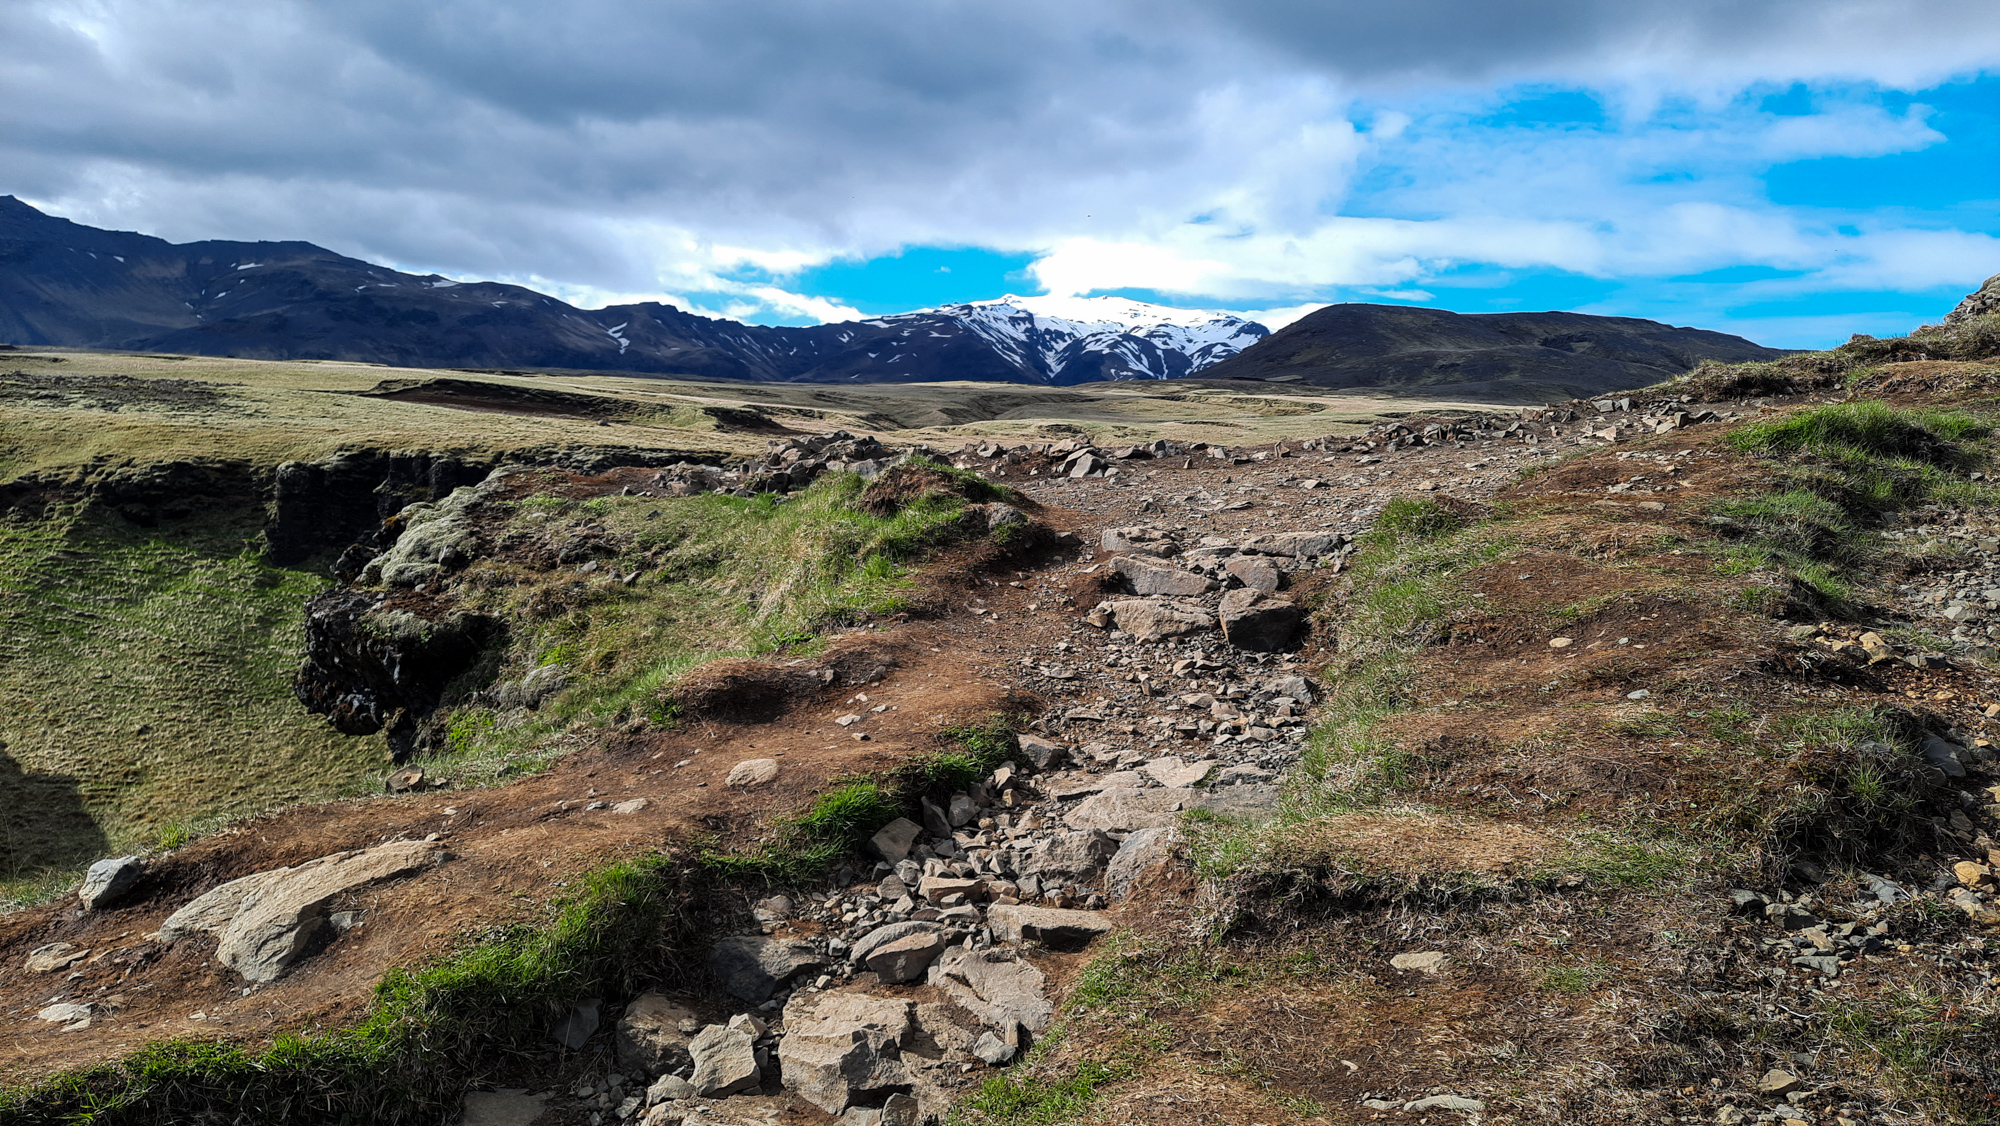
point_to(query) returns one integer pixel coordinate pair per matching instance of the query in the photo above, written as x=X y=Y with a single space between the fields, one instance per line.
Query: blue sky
x=1792 y=171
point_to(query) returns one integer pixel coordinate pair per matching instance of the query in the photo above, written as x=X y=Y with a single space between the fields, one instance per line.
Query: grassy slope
x=145 y=683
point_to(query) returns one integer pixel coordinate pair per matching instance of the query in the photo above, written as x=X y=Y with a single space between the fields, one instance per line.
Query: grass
x=145 y=682
x=1835 y=472
x=454 y=1018
x=1938 y=1051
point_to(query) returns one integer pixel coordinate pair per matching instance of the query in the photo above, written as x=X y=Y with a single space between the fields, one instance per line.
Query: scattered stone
x=992 y=1049
x=752 y=772
x=905 y=959
x=669 y=1088
x=1044 y=753
x=1147 y=541
x=267 y=921
x=1447 y=1102
x=1561 y=642
x=1156 y=619
x=893 y=841
x=1775 y=1082
x=575 y=1029
x=54 y=956
x=752 y=967
x=1053 y=927
x=1258 y=621
x=650 y=1039
x=1170 y=771
x=1149 y=578
x=404 y=780
x=772 y=909
x=1143 y=852
x=632 y=806
x=1256 y=572
x=65 y=1012
x=107 y=881
x=1428 y=961
x=725 y=1061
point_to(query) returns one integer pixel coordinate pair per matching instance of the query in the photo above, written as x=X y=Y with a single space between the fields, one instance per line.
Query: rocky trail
x=1162 y=666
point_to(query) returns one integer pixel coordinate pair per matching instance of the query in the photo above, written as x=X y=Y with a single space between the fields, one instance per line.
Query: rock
x=633 y=805
x=667 y=1088
x=1053 y=927
x=514 y=1107
x=725 y=1062
x=1156 y=619
x=1122 y=810
x=1446 y=1102
x=1775 y=1082
x=772 y=909
x=1071 y=856
x=752 y=967
x=882 y=936
x=1298 y=545
x=934 y=888
x=840 y=1047
x=893 y=841
x=1297 y=687
x=650 y=1039
x=1147 y=577
x=267 y=921
x=1248 y=802
x=1143 y=852
x=404 y=780
x=67 y=1012
x=961 y=811
x=752 y=772
x=902 y=1110
x=575 y=1029
x=1260 y=622
x=1428 y=962
x=1945 y=756
x=1170 y=771
x=54 y=956
x=107 y=881
x=1970 y=873
x=1044 y=753
x=992 y=1049
x=1256 y=572
x=995 y=986
x=1146 y=541
x=905 y=959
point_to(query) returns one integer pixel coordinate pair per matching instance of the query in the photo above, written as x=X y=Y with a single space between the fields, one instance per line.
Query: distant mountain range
x=1518 y=356
x=63 y=283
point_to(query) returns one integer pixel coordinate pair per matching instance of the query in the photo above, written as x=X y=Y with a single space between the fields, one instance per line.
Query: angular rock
x=992 y=1049
x=893 y=841
x=881 y=936
x=935 y=888
x=1044 y=753
x=1458 y=1103
x=1775 y=1082
x=905 y=959
x=1170 y=771
x=841 y=1047
x=1155 y=619
x=667 y=1088
x=1945 y=756
x=54 y=956
x=725 y=1061
x=1146 y=576
x=107 y=881
x=66 y=1012
x=995 y=986
x=650 y=1040
x=752 y=772
x=1144 y=852
x=1249 y=802
x=1135 y=537
x=1426 y=961
x=1260 y=622
x=266 y=922
x=1122 y=810
x=1256 y=572
x=1053 y=927
x=752 y=967
x=1074 y=855
x=575 y=1030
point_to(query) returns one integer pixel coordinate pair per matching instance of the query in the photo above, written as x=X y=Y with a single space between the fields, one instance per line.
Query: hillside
x=65 y=284
x=1518 y=357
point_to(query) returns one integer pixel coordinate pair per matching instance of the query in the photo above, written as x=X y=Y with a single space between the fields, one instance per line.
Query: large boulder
x=1147 y=576
x=654 y=1034
x=267 y=921
x=1075 y=855
x=1259 y=621
x=752 y=967
x=844 y=1048
x=1156 y=619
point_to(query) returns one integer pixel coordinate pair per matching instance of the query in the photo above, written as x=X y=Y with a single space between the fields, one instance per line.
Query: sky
x=1790 y=171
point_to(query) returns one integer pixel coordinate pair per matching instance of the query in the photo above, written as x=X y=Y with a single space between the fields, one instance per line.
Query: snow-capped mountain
x=67 y=284
x=1110 y=337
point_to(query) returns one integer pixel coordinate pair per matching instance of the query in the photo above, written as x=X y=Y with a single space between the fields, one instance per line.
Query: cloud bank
x=1262 y=154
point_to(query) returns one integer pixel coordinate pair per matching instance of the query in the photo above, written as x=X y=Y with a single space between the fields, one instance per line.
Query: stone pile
x=787 y=466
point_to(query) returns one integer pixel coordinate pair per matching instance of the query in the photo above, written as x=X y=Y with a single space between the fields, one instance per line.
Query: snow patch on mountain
x=1128 y=339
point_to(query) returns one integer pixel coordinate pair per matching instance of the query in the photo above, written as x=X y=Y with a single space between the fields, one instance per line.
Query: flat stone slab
x=1253 y=801
x=752 y=967
x=1053 y=927
x=1171 y=771
x=995 y=986
x=1122 y=810
x=265 y=922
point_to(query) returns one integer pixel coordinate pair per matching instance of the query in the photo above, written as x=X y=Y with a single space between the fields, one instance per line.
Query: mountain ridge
x=64 y=283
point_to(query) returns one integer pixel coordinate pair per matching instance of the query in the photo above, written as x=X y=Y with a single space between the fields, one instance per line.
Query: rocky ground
x=1495 y=936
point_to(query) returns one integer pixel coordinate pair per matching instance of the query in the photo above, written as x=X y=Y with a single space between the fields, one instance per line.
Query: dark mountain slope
x=1513 y=355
